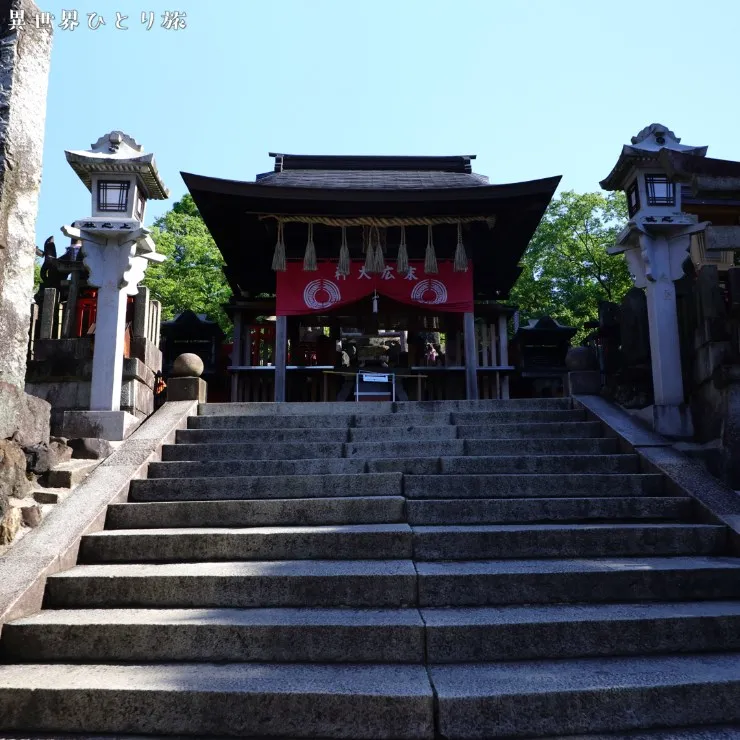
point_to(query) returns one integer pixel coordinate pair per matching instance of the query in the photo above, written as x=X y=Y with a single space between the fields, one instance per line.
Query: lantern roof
x=543 y=329
x=644 y=150
x=118 y=153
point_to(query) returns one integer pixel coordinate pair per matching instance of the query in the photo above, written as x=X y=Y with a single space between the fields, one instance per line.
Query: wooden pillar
x=294 y=338
x=236 y=355
x=503 y=344
x=471 y=358
x=281 y=346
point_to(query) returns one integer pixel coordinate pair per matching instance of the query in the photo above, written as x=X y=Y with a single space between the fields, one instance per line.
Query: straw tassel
x=378 y=259
x=278 y=258
x=402 y=261
x=430 y=258
x=343 y=267
x=369 y=253
x=461 y=256
x=309 y=258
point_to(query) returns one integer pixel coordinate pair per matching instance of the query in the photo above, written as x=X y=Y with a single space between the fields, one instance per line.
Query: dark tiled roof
x=371 y=180
x=460 y=164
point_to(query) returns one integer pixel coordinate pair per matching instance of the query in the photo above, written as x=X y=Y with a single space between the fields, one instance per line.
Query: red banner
x=300 y=292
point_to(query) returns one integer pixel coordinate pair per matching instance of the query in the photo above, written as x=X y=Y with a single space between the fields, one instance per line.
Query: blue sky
x=533 y=87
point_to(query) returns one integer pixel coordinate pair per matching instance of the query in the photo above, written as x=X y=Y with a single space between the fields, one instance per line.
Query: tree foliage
x=191 y=277
x=567 y=270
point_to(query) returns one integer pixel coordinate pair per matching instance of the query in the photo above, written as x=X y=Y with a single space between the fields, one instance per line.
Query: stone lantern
x=116 y=250
x=656 y=244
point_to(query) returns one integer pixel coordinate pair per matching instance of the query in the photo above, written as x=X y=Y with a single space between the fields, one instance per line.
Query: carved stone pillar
x=656 y=261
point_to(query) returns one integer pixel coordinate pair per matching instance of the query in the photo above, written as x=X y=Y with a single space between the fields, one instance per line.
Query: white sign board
x=375 y=378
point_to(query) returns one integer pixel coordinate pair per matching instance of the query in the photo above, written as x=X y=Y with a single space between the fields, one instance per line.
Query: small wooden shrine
x=394 y=266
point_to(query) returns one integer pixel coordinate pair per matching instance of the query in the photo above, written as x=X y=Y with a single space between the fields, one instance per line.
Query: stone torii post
x=116 y=249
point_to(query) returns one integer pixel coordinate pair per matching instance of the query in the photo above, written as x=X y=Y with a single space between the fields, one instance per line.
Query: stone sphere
x=581 y=358
x=187 y=366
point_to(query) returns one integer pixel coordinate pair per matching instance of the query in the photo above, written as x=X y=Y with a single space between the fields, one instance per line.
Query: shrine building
x=370 y=278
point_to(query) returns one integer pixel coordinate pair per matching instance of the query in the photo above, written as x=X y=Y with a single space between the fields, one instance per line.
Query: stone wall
x=24 y=70
x=60 y=370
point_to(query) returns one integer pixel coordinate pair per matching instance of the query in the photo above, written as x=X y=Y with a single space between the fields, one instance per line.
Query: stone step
x=328 y=421
x=698 y=732
x=300 y=583
x=479 y=447
x=233 y=635
x=509 y=404
x=512 y=510
x=499 y=541
x=256 y=512
x=292 y=409
x=370 y=419
x=480 y=634
x=403 y=433
x=69 y=474
x=326 y=435
x=44 y=495
x=476 y=418
x=337 y=542
x=517 y=699
x=237 y=699
x=390 y=421
x=385 y=449
x=399 y=407
x=570 y=430
x=565 y=485
x=410 y=466
x=266 y=487
x=545 y=446
x=558 y=429
x=206 y=469
x=534 y=464
x=591 y=580
x=253 y=451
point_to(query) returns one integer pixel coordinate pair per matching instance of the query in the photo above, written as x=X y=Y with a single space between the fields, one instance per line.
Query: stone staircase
x=433 y=570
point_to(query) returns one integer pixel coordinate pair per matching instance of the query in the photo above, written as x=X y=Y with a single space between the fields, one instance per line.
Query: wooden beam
x=471 y=358
x=281 y=345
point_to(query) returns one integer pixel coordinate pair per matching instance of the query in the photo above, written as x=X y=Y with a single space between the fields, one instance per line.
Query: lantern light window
x=633 y=199
x=139 y=211
x=660 y=190
x=113 y=195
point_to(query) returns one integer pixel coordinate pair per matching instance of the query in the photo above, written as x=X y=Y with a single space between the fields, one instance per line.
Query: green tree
x=191 y=277
x=566 y=268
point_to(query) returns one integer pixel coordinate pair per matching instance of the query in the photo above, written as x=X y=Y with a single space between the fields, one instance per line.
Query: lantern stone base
x=111 y=425
x=673 y=421
x=584 y=382
x=187 y=389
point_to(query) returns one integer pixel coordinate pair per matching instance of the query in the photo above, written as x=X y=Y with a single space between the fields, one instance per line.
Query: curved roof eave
x=274 y=193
